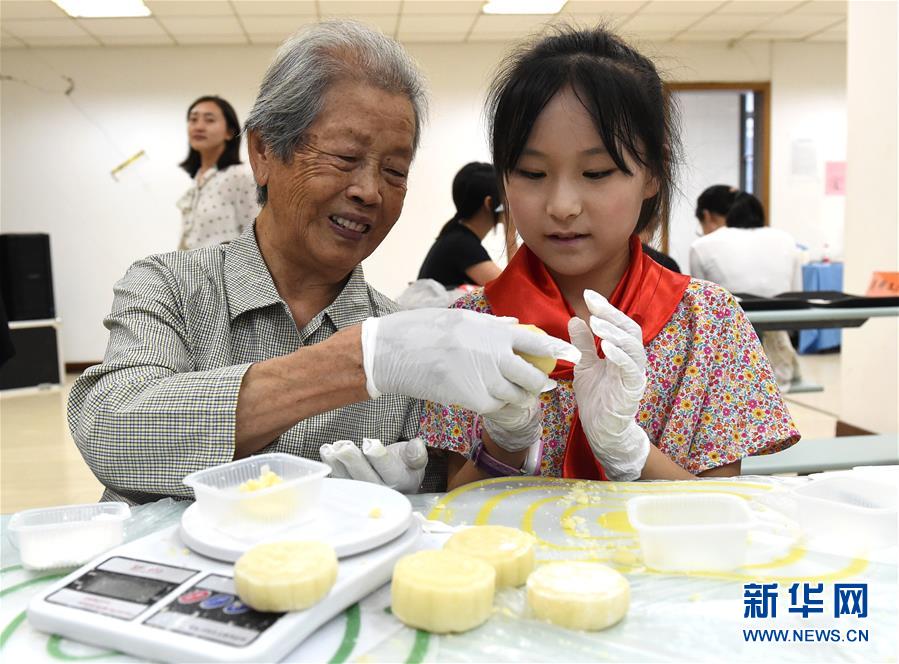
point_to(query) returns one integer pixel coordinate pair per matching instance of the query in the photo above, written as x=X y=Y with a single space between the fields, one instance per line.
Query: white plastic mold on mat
x=847 y=514
x=691 y=532
x=67 y=536
x=220 y=499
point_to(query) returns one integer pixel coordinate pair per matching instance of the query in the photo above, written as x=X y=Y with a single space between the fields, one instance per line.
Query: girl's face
x=569 y=202
x=206 y=127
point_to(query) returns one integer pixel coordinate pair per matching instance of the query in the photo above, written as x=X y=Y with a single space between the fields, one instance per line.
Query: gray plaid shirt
x=183 y=330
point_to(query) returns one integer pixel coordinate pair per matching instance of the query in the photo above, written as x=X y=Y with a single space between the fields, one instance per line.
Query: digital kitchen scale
x=159 y=599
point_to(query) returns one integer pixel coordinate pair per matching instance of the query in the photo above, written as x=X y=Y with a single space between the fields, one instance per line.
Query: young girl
x=674 y=383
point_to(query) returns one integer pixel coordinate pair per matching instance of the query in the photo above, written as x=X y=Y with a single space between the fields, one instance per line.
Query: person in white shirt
x=221 y=201
x=747 y=257
x=712 y=206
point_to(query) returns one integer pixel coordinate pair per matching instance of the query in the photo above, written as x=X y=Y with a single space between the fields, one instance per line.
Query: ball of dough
x=545 y=364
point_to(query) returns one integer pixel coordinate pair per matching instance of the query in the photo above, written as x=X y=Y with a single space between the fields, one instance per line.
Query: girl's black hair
x=717 y=199
x=472 y=184
x=746 y=212
x=619 y=88
x=231 y=155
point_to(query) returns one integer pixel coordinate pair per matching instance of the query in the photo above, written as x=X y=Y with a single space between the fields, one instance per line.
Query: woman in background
x=748 y=257
x=712 y=207
x=744 y=255
x=457 y=257
x=221 y=202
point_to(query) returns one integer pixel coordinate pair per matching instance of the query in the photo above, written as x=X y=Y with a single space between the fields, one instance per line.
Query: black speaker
x=36 y=360
x=26 y=280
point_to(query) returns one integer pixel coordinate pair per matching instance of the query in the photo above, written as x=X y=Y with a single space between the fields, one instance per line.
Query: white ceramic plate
x=351 y=516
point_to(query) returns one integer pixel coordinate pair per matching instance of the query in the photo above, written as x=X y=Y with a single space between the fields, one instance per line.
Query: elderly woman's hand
x=454 y=356
x=400 y=466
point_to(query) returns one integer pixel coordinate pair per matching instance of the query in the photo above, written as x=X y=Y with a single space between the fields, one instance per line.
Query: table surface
x=822 y=454
x=677 y=617
x=819 y=315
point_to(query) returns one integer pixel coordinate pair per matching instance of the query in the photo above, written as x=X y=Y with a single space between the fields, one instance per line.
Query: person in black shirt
x=662 y=259
x=457 y=257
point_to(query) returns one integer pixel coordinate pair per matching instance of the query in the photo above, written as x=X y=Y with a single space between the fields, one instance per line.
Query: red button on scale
x=194 y=596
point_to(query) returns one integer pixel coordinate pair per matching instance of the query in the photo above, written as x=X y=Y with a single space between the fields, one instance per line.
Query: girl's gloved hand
x=454 y=356
x=400 y=466
x=513 y=427
x=608 y=391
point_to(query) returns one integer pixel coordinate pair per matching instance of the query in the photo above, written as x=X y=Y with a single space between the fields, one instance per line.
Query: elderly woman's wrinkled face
x=343 y=191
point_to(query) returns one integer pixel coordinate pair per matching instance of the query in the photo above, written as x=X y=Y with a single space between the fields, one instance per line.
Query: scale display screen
x=121 y=587
x=129 y=588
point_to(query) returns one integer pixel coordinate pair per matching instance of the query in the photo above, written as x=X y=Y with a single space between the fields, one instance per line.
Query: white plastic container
x=848 y=514
x=67 y=536
x=220 y=499
x=691 y=532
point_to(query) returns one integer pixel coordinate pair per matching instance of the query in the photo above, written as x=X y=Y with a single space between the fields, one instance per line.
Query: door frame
x=764 y=158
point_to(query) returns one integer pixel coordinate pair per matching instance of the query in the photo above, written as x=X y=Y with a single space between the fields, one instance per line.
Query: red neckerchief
x=648 y=293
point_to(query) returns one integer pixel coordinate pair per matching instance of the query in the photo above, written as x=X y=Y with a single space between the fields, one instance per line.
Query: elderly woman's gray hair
x=293 y=89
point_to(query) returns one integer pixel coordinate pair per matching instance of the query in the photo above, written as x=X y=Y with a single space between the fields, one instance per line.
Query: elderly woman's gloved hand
x=400 y=466
x=609 y=391
x=454 y=356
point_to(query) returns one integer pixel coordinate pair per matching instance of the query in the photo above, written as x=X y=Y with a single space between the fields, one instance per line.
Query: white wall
x=57 y=151
x=808 y=113
x=710 y=133
x=870 y=367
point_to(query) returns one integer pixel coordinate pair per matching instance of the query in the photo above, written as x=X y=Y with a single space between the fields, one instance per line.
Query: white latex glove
x=400 y=466
x=608 y=391
x=515 y=427
x=454 y=356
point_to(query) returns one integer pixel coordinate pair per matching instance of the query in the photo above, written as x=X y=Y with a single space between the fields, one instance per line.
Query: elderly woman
x=275 y=342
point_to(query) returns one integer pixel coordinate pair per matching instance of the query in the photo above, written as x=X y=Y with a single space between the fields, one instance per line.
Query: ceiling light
x=523 y=6
x=103 y=8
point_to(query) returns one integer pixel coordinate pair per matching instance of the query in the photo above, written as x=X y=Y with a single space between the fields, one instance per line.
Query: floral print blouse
x=218 y=206
x=711 y=398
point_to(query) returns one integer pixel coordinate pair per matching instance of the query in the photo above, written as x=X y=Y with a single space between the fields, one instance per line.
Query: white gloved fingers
x=633 y=347
x=625 y=460
x=338 y=445
x=542 y=345
x=521 y=380
x=602 y=308
x=400 y=466
x=633 y=377
x=326 y=452
x=373 y=449
x=613 y=424
x=357 y=465
x=512 y=442
x=504 y=394
x=515 y=428
x=414 y=453
x=582 y=338
x=514 y=417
